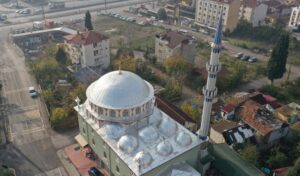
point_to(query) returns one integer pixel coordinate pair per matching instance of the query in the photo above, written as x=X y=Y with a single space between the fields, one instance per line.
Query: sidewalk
x=67 y=163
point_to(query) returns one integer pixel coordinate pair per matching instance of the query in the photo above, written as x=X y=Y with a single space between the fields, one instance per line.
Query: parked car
x=238 y=55
x=32 y=92
x=94 y=172
x=245 y=58
x=252 y=59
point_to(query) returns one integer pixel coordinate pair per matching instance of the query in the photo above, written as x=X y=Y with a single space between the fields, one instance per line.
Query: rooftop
x=258 y=117
x=174 y=38
x=249 y=3
x=224 y=125
x=85 y=38
x=157 y=142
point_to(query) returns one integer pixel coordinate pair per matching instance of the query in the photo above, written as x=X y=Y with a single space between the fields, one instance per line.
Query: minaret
x=210 y=90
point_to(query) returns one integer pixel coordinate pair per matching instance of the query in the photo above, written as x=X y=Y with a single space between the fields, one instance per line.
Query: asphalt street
x=30 y=150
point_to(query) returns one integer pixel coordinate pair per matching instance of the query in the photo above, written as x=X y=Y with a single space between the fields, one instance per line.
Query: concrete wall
x=259 y=15
x=231 y=21
x=100 y=59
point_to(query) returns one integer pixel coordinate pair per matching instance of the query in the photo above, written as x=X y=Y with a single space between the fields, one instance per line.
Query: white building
x=208 y=12
x=88 y=49
x=253 y=11
x=295 y=18
x=129 y=135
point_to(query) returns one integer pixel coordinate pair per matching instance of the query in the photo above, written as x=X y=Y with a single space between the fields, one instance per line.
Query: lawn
x=127 y=33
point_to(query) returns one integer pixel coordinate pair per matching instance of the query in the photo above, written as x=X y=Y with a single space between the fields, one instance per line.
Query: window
x=95 y=45
x=117 y=169
x=83 y=130
x=97 y=60
x=104 y=154
x=138 y=110
x=93 y=141
x=95 y=52
x=125 y=113
x=112 y=113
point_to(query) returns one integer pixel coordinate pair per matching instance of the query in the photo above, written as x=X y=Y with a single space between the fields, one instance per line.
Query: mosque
x=132 y=137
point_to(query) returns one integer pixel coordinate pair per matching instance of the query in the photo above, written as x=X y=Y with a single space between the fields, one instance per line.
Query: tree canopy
x=190 y=110
x=177 y=66
x=88 y=21
x=295 y=170
x=162 y=14
x=61 y=56
x=249 y=153
x=277 y=63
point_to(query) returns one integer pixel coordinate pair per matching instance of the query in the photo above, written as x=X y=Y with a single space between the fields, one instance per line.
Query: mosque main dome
x=119 y=90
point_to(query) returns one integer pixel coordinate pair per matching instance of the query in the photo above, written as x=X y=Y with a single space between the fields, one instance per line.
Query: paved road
x=31 y=151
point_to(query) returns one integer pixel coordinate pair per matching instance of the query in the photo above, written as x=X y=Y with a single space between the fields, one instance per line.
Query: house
x=278 y=8
x=229 y=132
x=208 y=13
x=88 y=49
x=172 y=43
x=253 y=12
x=289 y=113
x=258 y=111
x=172 y=10
x=176 y=113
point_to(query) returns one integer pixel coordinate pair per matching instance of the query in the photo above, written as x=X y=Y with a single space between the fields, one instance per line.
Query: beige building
x=172 y=42
x=88 y=49
x=208 y=12
x=254 y=12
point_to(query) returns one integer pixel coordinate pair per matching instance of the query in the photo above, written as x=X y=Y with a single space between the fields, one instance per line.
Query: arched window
x=100 y=110
x=137 y=110
x=112 y=113
x=125 y=113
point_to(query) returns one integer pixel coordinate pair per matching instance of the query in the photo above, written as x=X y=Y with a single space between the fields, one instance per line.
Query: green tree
x=61 y=56
x=125 y=63
x=162 y=14
x=88 y=21
x=277 y=159
x=58 y=117
x=249 y=153
x=277 y=63
x=190 y=110
x=177 y=66
x=173 y=90
x=295 y=170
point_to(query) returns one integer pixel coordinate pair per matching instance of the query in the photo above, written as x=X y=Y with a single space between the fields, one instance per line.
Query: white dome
x=155 y=117
x=148 y=134
x=143 y=158
x=183 y=139
x=127 y=143
x=119 y=90
x=164 y=148
x=113 y=130
x=168 y=127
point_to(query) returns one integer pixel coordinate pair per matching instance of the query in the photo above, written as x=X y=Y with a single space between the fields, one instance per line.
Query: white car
x=32 y=92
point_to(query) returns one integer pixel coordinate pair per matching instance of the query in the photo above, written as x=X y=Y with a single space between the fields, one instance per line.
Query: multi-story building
x=171 y=43
x=253 y=11
x=208 y=13
x=88 y=49
x=295 y=18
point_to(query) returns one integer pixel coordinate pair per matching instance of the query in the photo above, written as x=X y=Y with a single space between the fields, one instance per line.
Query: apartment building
x=208 y=12
x=295 y=18
x=253 y=12
x=88 y=49
x=172 y=42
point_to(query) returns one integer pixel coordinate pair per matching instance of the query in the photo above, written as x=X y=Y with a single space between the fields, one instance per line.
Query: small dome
x=155 y=117
x=168 y=127
x=164 y=148
x=183 y=139
x=119 y=90
x=127 y=143
x=113 y=130
x=143 y=158
x=148 y=134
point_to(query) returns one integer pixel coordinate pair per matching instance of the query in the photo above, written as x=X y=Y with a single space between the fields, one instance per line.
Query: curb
x=71 y=170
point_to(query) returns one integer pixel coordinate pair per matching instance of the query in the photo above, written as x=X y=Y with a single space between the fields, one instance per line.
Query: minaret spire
x=210 y=90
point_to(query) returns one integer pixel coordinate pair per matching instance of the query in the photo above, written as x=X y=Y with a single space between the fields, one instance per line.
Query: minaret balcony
x=213 y=69
x=210 y=93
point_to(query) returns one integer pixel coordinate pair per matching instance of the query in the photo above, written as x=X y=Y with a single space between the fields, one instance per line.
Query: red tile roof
x=85 y=38
x=173 y=111
x=228 y=107
x=174 y=38
x=247 y=112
